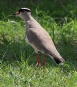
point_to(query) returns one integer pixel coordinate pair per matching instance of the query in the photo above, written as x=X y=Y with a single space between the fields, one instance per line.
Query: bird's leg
x=44 y=61
x=38 y=59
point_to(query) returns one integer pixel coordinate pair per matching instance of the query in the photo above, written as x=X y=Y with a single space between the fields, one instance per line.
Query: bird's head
x=23 y=12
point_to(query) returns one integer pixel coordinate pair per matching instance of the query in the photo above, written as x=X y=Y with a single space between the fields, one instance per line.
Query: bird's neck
x=27 y=18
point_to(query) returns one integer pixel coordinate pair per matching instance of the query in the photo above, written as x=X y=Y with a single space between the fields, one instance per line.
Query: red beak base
x=17 y=13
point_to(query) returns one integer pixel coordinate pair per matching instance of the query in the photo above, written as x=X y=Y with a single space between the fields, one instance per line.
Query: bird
x=39 y=38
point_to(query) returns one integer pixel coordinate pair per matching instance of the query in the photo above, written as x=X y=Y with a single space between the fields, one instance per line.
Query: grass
x=17 y=57
x=25 y=76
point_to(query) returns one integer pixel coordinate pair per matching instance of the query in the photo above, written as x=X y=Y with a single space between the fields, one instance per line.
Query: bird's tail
x=59 y=61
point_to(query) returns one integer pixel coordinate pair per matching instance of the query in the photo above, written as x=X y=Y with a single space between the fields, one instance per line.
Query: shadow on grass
x=14 y=50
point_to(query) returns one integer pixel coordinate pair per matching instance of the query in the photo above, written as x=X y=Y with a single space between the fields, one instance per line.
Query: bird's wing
x=42 y=41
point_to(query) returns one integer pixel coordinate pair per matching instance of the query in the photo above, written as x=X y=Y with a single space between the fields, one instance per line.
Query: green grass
x=22 y=75
x=17 y=57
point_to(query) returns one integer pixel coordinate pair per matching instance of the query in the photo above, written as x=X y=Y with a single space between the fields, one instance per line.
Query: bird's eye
x=21 y=10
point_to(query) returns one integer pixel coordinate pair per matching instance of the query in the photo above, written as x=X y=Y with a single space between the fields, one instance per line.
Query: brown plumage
x=38 y=37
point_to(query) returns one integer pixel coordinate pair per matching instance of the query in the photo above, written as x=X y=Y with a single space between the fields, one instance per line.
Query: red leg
x=38 y=59
x=44 y=62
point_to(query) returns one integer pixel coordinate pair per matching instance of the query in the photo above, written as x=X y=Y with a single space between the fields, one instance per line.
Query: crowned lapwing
x=38 y=37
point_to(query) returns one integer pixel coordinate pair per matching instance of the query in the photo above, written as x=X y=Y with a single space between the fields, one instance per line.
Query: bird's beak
x=17 y=13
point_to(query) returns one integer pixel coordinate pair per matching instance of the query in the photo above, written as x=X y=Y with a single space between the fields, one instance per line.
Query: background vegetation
x=17 y=58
